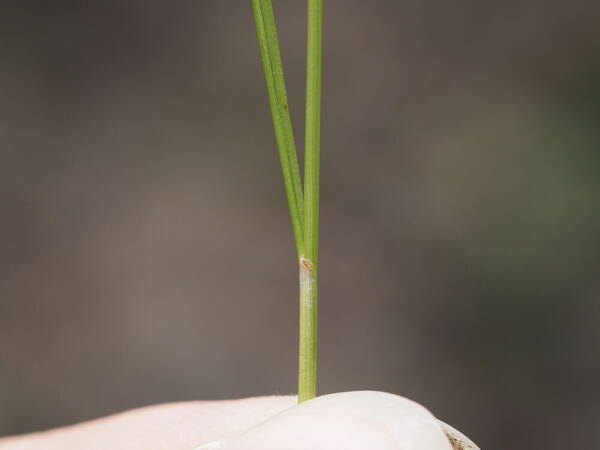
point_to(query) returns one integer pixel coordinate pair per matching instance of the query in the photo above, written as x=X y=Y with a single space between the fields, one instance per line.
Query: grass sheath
x=303 y=202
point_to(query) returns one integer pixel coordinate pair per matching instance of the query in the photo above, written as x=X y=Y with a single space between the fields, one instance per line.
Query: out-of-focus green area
x=146 y=251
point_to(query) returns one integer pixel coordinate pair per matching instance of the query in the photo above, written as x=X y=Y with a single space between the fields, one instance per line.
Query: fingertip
x=350 y=420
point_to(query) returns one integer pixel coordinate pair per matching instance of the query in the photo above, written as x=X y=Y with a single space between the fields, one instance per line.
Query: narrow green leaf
x=284 y=136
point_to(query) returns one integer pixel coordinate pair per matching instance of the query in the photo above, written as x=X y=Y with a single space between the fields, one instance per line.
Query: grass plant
x=303 y=199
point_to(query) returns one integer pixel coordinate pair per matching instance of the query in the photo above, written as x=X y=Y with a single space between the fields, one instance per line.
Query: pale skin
x=349 y=421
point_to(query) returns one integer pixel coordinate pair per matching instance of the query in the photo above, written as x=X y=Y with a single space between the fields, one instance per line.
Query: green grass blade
x=273 y=69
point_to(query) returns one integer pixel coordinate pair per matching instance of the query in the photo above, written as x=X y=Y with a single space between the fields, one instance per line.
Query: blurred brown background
x=146 y=254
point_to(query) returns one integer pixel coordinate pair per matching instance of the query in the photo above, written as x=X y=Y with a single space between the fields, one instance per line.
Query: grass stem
x=307 y=371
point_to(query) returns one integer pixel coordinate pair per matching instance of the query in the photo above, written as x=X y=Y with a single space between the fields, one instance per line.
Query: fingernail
x=459 y=440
